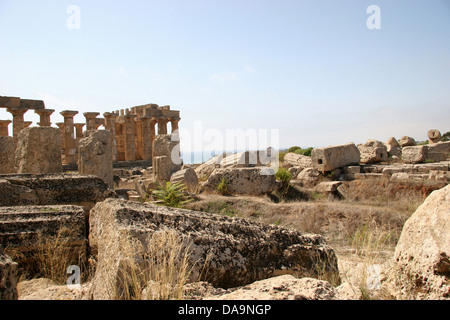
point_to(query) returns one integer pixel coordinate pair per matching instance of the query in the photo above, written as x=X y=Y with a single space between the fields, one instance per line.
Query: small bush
x=223 y=187
x=281 y=156
x=284 y=176
x=305 y=152
x=294 y=149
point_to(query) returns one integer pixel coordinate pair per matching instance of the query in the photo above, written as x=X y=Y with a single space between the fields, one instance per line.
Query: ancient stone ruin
x=133 y=130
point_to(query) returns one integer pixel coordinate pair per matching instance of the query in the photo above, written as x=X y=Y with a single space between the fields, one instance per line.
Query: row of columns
x=133 y=134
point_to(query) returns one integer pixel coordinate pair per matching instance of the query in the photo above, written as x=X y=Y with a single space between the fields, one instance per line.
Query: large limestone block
x=285 y=287
x=241 y=160
x=227 y=252
x=205 y=169
x=373 y=151
x=52 y=189
x=406 y=141
x=8 y=277
x=168 y=145
x=333 y=157
x=414 y=154
x=39 y=150
x=95 y=155
x=162 y=169
x=393 y=147
x=422 y=256
x=23 y=228
x=188 y=177
x=297 y=160
x=439 y=151
x=7 y=155
x=252 y=181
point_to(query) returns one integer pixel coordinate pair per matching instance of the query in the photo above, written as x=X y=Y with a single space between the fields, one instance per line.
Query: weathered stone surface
x=38 y=150
x=328 y=186
x=227 y=252
x=297 y=160
x=422 y=256
x=95 y=155
x=162 y=169
x=28 y=189
x=205 y=169
x=8 y=277
x=242 y=180
x=434 y=135
x=309 y=177
x=167 y=145
x=285 y=287
x=7 y=157
x=241 y=160
x=373 y=151
x=188 y=177
x=438 y=151
x=46 y=289
x=333 y=157
x=24 y=227
x=406 y=141
x=393 y=147
x=414 y=154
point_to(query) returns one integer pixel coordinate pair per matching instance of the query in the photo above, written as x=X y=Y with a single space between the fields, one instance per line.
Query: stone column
x=91 y=122
x=4 y=128
x=146 y=138
x=162 y=125
x=70 y=146
x=61 y=131
x=138 y=138
x=78 y=132
x=129 y=130
x=44 y=115
x=152 y=134
x=110 y=125
x=174 y=122
x=18 y=121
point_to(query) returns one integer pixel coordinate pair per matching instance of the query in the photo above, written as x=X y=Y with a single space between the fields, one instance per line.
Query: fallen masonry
x=234 y=251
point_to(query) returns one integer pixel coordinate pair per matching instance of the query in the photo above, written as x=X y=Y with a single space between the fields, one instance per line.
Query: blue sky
x=310 y=69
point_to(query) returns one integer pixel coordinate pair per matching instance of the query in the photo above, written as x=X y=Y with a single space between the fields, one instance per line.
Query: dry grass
x=157 y=270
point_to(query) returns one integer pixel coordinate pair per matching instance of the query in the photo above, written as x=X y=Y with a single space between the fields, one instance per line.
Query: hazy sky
x=311 y=69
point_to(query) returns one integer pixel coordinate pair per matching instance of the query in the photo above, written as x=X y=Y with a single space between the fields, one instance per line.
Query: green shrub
x=171 y=194
x=446 y=136
x=294 y=149
x=305 y=152
x=223 y=187
x=284 y=176
x=281 y=156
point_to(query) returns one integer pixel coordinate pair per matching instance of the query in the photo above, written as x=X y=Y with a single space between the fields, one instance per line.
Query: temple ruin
x=133 y=129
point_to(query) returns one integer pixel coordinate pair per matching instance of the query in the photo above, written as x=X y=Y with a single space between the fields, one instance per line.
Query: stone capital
x=68 y=113
x=17 y=112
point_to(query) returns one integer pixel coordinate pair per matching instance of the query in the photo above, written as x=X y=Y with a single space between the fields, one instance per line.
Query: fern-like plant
x=171 y=194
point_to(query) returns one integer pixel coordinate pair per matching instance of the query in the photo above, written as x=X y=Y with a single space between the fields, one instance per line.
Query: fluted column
x=162 y=125
x=70 y=146
x=110 y=125
x=129 y=130
x=146 y=138
x=174 y=122
x=78 y=132
x=152 y=134
x=91 y=122
x=138 y=139
x=18 y=121
x=4 y=128
x=44 y=115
